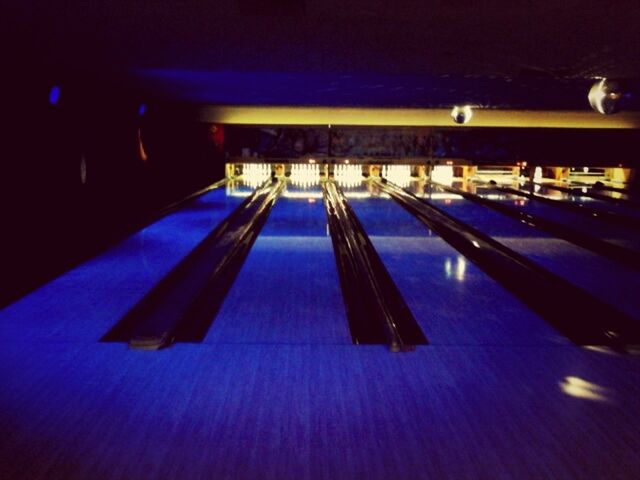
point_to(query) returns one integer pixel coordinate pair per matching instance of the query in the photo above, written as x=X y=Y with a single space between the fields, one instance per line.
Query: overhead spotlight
x=604 y=96
x=461 y=114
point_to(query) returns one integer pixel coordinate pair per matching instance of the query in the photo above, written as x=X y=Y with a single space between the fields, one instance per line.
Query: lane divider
x=610 y=250
x=376 y=311
x=572 y=311
x=606 y=215
x=577 y=192
x=183 y=305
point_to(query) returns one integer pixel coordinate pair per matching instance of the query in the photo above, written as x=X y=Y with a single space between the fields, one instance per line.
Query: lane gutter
x=376 y=311
x=182 y=306
x=601 y=247
x=551 y=296
x=576 y=192
x=607 y=215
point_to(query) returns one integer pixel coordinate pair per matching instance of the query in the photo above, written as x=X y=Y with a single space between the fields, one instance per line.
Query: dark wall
x=73 y=177
x=542 y=146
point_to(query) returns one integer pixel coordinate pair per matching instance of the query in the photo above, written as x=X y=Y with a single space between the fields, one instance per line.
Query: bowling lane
x=454 y=302
x=612 y=191
x=595 y=203
x=616 y=195
x=613 y=194
x=288 y=290
x=101 y=410
x=603 y=278
x=595 y=227
x=87 y=301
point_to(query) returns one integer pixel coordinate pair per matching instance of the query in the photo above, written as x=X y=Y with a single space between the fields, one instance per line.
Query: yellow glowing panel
x=247 y=115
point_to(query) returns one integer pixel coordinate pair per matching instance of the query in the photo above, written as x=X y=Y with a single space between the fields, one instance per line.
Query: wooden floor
x=77 y=410
x=497 y=394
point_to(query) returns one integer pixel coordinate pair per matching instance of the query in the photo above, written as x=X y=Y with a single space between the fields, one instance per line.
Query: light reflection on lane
x=583 y=389
x=457 y=271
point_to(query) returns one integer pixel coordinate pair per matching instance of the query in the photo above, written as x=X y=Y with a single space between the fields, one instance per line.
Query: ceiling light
x=461 y=114
x=604 y=96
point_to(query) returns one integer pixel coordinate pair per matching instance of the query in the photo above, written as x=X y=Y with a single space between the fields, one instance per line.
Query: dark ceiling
x=365 y=52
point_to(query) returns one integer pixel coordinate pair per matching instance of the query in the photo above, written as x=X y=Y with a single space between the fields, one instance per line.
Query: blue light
x=54 y=95
x=142 y=109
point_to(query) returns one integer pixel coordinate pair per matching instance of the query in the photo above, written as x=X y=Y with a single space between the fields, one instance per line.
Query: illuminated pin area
x=442 y=174
x=304 y=175
x=498 y=174
x=537 y=174
x=348 y=175
x=255 y=174
x=449 y=172
x=589 y=174
x=398 y=174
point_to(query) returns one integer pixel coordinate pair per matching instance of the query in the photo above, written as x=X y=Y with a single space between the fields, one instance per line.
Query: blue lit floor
x=82 y=304
x=496 y=395
x=618 y=234
x=432 y=276
x=288 y=290
x=606 y=279
x=622 y=208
